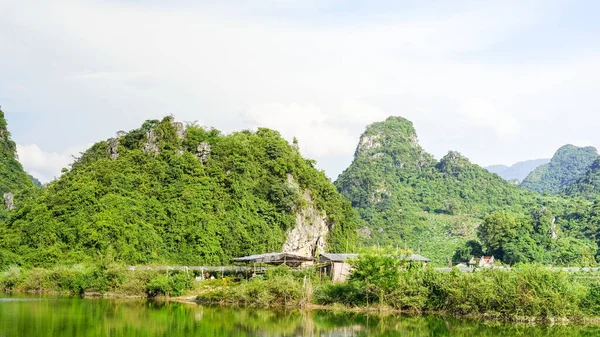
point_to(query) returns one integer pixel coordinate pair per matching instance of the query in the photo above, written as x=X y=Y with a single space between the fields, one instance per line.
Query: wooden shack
x=277 y=259
x=336 y=266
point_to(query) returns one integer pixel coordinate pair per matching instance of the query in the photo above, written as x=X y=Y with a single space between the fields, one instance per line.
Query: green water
x=66 y=317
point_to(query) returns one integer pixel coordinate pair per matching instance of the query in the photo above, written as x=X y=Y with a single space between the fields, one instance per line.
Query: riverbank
x=530 y=294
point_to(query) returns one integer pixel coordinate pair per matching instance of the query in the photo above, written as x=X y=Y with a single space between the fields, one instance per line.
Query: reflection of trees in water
x=77 y=317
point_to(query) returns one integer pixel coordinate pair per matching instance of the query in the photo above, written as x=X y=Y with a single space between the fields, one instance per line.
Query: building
x=336 y=266
x=415 y=258
x=288 y=259
x=482 y=262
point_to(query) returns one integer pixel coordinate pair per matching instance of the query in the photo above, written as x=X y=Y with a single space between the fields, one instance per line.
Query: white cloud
x=43 y=165
x=328 y=131
x=480 y=112
x=94 y=67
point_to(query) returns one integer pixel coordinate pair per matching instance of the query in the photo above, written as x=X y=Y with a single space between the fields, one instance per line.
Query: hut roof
x=273 y=258
x=414 y=258
x=337 y=257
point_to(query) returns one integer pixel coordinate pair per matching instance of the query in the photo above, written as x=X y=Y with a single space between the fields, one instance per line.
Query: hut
x=336 y=266
x=415 y=258
x=277 y=259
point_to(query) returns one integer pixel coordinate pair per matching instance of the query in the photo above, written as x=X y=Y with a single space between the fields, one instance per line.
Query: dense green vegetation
x=522 y=239
x=568 y=165
x=157 y=194
x=410 y=200
x=381 y=280
x=12 y=176
x=588 y=186
x=530 y=291
x=97 y=279
x=164 y=193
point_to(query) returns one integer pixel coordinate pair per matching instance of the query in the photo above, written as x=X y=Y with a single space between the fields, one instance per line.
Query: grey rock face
x=179 y=129
x=113 y=149
x=368 y=143
x=9 y=201
x=308 y=237
x=365 y=232
x=151 y=145
x=203 y=152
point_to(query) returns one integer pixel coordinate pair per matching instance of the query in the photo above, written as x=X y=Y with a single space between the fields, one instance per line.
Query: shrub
x=174 y=285
x=10 y=278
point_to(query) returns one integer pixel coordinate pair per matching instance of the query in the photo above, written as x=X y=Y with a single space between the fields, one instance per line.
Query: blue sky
x=499 y=81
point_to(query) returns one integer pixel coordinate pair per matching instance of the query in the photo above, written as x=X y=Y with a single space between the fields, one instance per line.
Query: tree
x=497 y=229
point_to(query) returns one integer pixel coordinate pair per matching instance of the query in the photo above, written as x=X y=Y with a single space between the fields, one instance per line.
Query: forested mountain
x=169 y=194
x=406 y=197
x=588 y=186
x=12 y=176
x=518 y=171
x=567 y=165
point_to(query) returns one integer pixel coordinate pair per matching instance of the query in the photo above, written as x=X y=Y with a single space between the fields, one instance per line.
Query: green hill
x=165 y=193
x=588 y=186
x=391 y=172
x=409 y=199
x=12 y=176
x=567 y=165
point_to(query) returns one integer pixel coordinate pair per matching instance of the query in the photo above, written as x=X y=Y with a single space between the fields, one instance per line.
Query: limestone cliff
x=308 y=237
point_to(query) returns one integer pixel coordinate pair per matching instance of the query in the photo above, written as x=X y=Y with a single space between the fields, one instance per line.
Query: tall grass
x=278 y=287
x=528 y=292
x=95 y=279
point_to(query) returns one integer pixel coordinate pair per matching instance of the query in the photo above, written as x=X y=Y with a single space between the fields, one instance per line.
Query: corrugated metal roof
x=337 y=257
x=415 y=258
x=273 y=258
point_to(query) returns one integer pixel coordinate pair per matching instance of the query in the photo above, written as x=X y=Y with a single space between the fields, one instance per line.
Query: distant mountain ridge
x=518 y=171
x=568 y=165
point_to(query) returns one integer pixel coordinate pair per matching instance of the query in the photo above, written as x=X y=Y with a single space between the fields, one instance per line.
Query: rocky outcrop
x=553 y=230
x=9 y=201
x=365 y=233
x=308 y=237
x=179 y=129
x=113 y=149
x=151 y=145
x=203 y=152
x=368 y=142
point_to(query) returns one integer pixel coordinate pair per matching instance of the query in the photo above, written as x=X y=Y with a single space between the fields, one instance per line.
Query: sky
x=499 y=81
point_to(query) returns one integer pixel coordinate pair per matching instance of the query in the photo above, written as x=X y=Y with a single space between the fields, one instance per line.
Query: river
x=69 y=317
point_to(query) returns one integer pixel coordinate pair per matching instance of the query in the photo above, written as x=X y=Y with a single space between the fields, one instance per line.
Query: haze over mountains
x=568 y=164
x=518 y=171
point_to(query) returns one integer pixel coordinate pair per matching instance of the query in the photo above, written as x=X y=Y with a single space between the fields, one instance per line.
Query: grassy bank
x=79 y=280
x=532 y=292
x=378 y=283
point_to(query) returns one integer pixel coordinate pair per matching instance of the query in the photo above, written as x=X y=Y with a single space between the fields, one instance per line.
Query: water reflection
x=26 y=316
